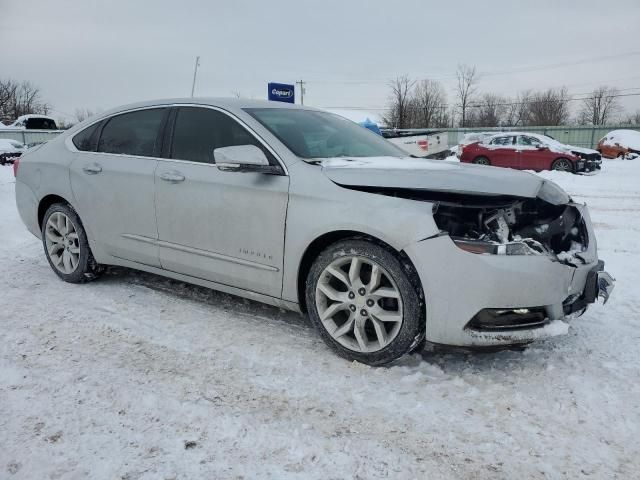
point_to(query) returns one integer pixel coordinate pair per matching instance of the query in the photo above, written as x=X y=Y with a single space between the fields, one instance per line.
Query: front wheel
x=562 y=165
x=482 y=161
x=363 y=302
x=66 y=245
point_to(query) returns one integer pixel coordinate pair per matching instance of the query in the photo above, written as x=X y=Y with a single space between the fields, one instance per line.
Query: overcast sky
x=99 y=54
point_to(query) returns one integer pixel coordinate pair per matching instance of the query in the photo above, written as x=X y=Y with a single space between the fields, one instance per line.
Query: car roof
x=222 y=102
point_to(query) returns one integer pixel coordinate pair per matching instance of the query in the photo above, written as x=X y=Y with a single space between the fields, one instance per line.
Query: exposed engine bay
x=504 y=225
x=519 y=227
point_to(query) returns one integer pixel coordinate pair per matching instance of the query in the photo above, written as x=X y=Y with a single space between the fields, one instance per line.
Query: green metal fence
x=579 y=136
x=29 y=137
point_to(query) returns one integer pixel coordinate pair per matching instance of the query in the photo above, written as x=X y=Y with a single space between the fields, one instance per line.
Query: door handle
x=92 y=169
x=172 y=177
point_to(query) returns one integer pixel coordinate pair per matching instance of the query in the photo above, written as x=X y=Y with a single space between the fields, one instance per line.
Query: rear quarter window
x=87 y=139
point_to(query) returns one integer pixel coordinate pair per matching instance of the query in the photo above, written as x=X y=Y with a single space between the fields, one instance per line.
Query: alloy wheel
x=562 y=166
x=62 y=242
x=359 y=304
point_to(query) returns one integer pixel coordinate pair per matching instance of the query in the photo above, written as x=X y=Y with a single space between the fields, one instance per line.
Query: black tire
x=562 y=165
x=481 y=161
x=622 y=156
x=87 y=268
x=412 y=329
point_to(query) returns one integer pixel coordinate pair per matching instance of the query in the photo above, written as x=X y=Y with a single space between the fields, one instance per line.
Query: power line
x=521 y=69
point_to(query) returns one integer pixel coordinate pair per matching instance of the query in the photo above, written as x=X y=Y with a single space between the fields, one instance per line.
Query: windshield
x=311 y=134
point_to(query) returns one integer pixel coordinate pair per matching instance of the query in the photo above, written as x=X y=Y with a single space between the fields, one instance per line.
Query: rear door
x=502 y=152
x=223 y=226
x=113 y=181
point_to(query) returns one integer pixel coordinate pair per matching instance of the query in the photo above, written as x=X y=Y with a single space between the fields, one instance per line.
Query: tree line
x=20 y=98
x=424 y=104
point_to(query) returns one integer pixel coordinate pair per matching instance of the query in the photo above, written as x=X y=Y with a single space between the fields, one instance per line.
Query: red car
x=523 y=152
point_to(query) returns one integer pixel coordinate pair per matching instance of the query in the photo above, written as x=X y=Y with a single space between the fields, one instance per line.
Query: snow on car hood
x=436 y=175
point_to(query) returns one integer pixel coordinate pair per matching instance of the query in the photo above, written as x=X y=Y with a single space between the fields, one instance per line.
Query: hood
x=440 y=176
x=588 y=151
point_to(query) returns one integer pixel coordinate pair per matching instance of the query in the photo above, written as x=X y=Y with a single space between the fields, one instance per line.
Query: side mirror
x=243 y=158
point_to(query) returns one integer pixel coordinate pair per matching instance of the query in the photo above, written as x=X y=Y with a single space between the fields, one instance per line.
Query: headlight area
x=515 y=226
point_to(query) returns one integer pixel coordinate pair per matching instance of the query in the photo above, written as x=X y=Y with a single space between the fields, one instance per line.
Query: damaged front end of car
x=522 y=301
x=514 y=226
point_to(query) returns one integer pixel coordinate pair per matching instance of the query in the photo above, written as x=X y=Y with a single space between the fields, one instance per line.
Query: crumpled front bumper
x=458 y=285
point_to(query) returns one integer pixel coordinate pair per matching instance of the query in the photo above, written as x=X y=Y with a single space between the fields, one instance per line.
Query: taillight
x=16 y=162
x=423 y=144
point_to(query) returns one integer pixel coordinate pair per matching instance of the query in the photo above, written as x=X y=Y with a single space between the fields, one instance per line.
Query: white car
x=306 y=210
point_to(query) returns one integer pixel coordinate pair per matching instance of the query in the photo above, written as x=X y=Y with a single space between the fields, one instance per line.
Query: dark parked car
x=10 y=150
x=34 y=122
x=525 y=151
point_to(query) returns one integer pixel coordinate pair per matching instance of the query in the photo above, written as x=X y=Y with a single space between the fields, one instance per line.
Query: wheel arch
x=323 y=241
x=46 y=202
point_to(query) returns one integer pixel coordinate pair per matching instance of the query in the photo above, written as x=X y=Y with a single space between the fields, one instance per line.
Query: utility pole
x=301 y=83
x=195 y=73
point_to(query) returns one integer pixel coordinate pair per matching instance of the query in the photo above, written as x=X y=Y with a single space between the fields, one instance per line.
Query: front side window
x=528 y=141
x=134 y=133
x=310 y=134
x=199 y=131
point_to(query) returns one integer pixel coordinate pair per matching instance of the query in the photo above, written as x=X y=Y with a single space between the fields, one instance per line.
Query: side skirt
x=258 y=297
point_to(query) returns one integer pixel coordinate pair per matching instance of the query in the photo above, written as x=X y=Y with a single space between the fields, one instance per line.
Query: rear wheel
x=66 y=245
x=562 y=165
x=362 y=301
x=482 y=161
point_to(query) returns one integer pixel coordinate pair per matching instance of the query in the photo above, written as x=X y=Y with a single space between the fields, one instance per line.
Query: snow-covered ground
x=135 y=376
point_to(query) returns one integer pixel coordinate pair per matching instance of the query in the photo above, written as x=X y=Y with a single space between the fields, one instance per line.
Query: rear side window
x=198 y=131
x=502 y=141
x=87 y=139
x=135 y=133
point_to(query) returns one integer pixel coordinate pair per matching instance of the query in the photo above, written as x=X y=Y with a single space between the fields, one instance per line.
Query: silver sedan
x=303 y=209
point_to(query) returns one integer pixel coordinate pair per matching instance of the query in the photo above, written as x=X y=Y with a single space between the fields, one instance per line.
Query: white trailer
x=420 y=142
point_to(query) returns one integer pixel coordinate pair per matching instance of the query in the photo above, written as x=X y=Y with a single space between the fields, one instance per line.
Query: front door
x=534 y=155
x=223 y=226
x=114 y=186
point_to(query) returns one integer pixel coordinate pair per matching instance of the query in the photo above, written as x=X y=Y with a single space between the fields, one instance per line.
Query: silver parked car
x=303 y=209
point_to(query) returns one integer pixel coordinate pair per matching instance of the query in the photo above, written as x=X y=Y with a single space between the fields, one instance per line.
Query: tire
x=621 y=156
x=66 y=245
x=562 y=165
x=354 y=329
x=481 y=161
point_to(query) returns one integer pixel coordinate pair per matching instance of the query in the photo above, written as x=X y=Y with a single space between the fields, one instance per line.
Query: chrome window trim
x=71 y=146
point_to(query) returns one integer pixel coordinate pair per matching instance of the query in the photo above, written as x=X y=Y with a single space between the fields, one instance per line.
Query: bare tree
x=632 y=118
x=18 y=99
x=517 y=110
x=428 y=105
x=399 y=113
x=81 y=114
x=489 y=112
x=599 y=107
x=8 y=91
x=549 y=107
x=466 y=88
